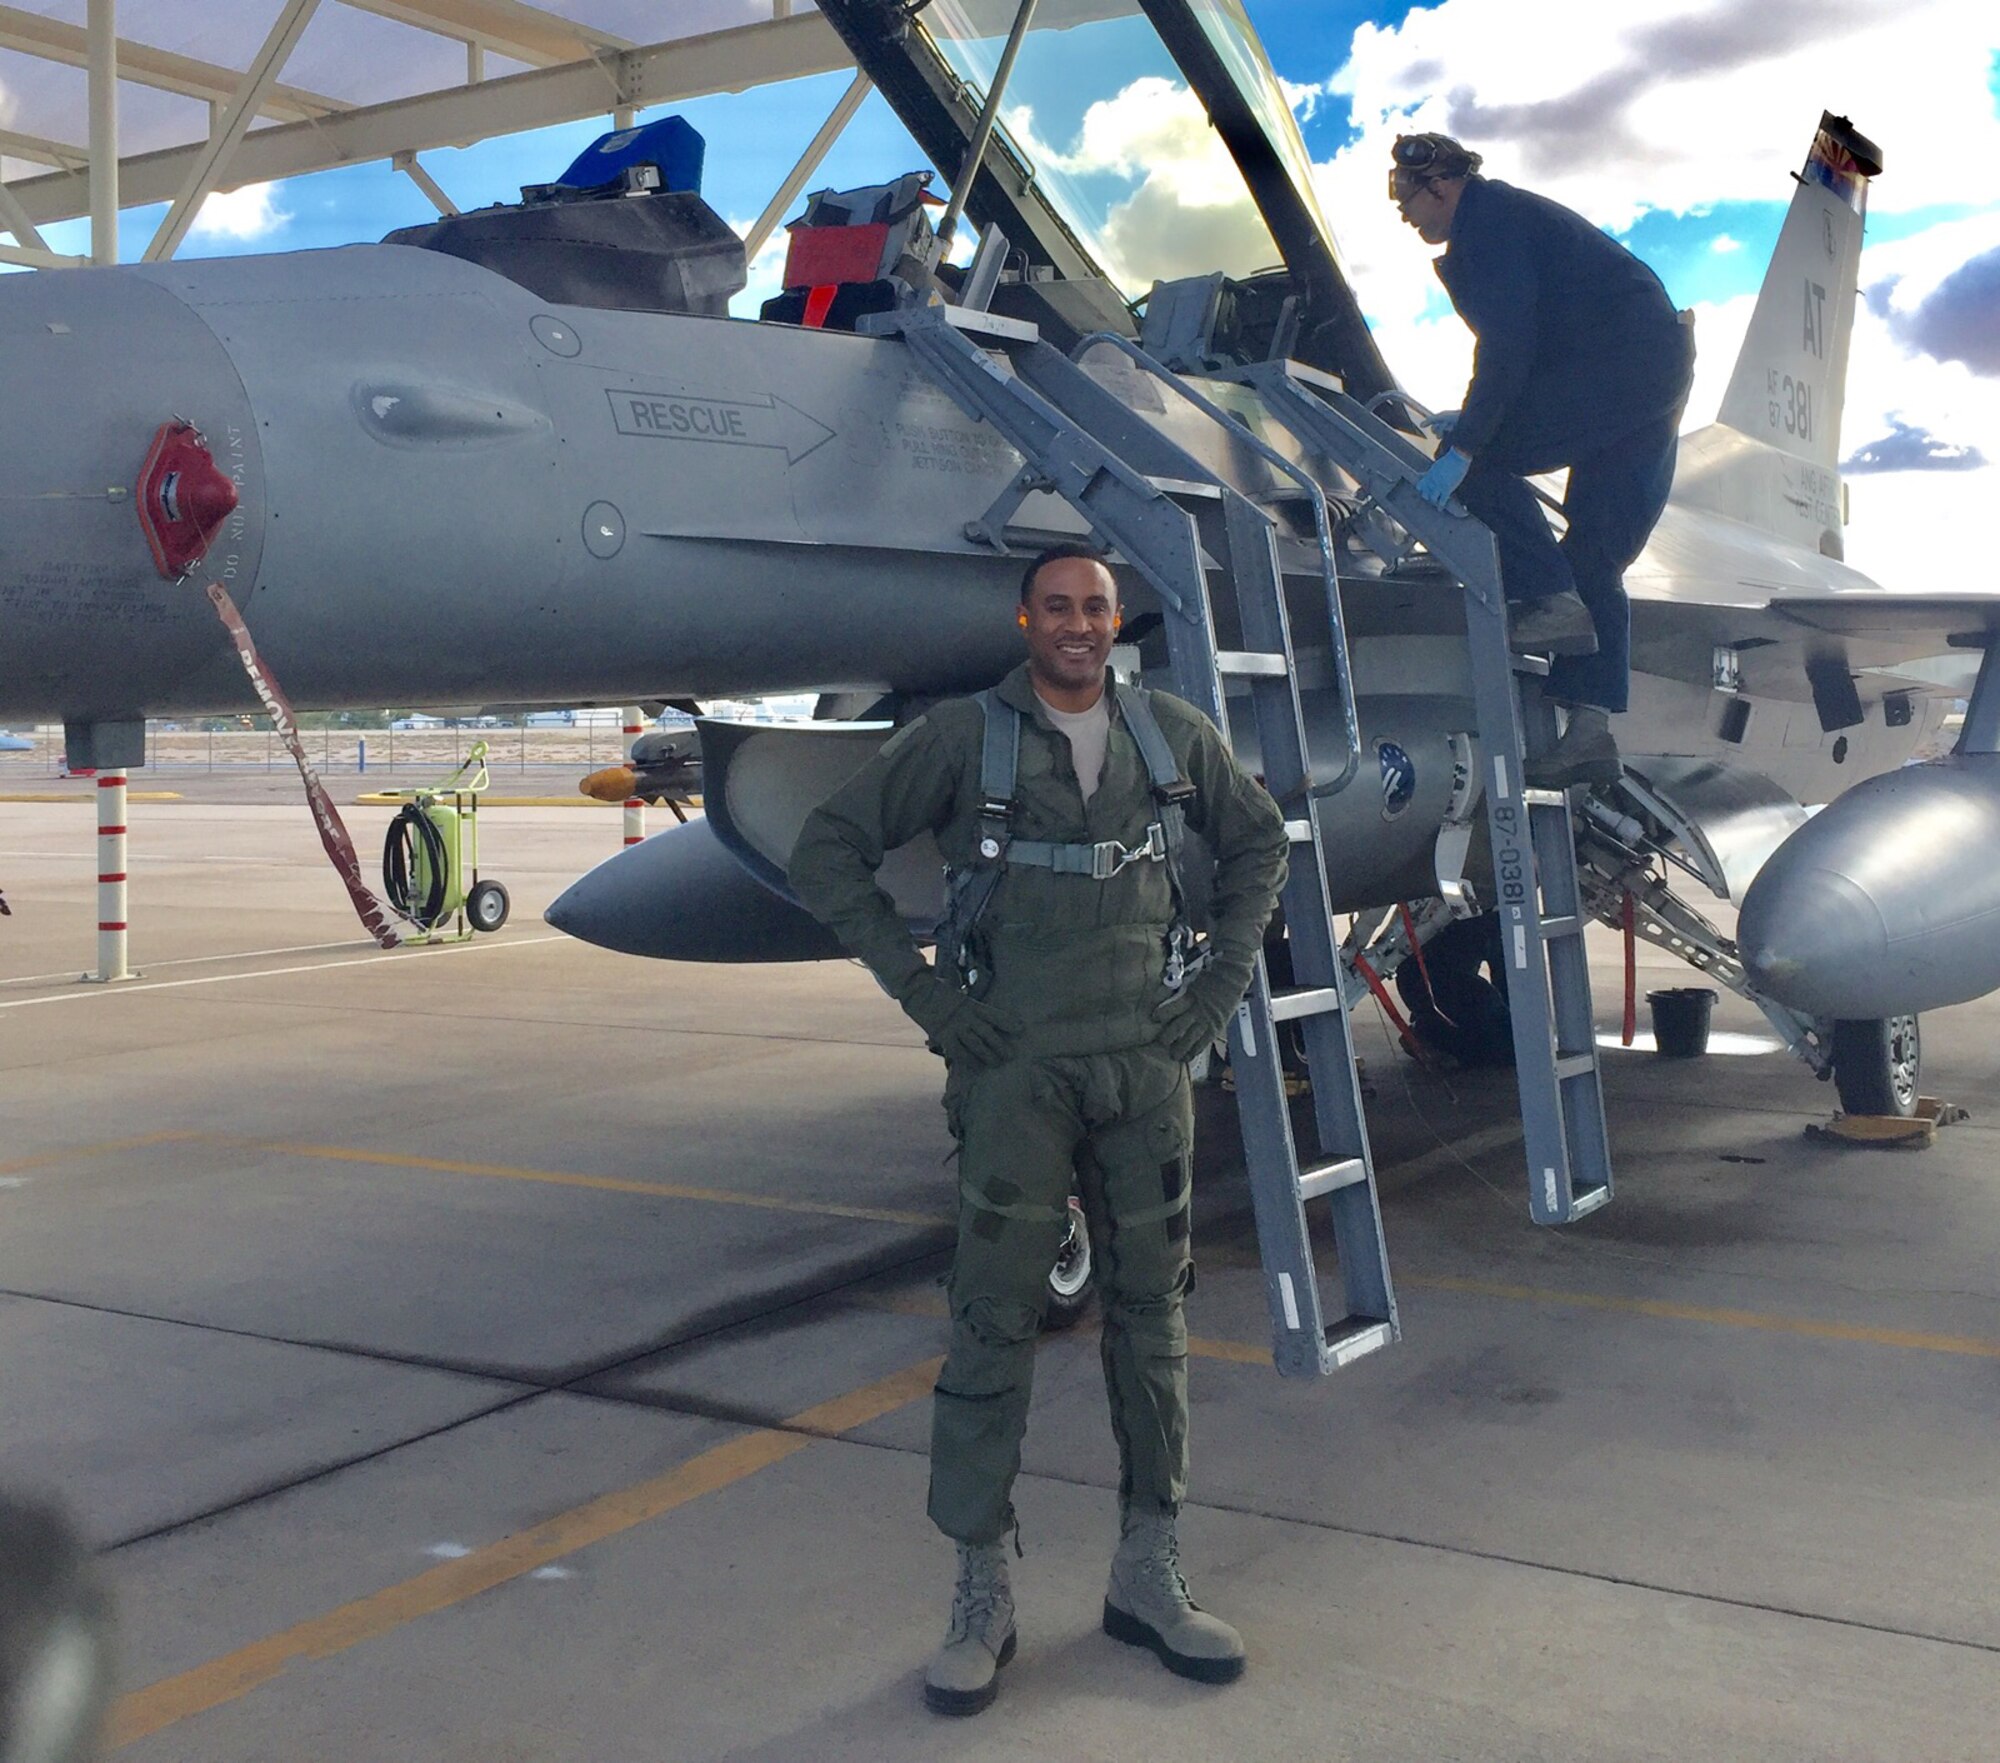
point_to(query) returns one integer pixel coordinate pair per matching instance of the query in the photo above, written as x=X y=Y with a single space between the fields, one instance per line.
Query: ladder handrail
x=1329 y=567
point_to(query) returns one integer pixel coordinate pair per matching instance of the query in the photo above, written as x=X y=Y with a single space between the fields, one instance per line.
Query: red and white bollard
x=110 y=878
x=635 y=806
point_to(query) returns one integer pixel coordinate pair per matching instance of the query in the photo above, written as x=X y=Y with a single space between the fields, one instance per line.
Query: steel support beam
x=14 y=219
x=40 y=150
x=102 y=42
x=407 y=164
x=207 y=170
x=809 y=162
x=39 y=257
x=456 y=116
x=50 y=39
x=521 y=33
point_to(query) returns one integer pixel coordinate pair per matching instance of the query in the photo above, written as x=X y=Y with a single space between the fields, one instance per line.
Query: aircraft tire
x=1878 y=1065
x=486 y=907
x=1070 y=1278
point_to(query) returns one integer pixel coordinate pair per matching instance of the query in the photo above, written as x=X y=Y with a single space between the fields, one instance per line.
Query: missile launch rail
x=1211 y=555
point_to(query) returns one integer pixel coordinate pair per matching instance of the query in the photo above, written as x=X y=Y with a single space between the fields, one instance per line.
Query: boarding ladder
x=1211 y=555
x=1532 y=831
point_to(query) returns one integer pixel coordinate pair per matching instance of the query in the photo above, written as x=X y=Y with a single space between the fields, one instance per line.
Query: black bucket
x=1680 y=1021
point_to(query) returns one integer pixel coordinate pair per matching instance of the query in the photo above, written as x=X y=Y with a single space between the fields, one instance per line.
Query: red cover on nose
x=184 y=497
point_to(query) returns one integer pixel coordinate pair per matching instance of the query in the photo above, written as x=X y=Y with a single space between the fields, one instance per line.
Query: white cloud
x=249 y=213
x=1188 y=213
x=1304 y=100
x=1723 y=243
x=1615 y=110
x=1615 y=113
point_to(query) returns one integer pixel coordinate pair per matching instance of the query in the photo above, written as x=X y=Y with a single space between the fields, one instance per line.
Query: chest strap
x=968 y=890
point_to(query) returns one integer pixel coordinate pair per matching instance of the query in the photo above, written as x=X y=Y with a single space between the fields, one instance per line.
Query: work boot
x=1586 y=754
x=1559 y=624
x=1147 y=1605
x=962 y=1677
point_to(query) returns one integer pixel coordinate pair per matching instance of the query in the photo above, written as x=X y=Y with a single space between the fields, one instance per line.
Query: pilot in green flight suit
x=1066 y=1041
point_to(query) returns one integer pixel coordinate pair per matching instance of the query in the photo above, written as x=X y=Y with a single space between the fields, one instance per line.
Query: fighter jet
x=524 y=455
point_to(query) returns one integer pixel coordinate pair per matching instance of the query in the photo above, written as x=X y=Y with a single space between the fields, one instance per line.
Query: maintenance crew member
x=1066 y=1022
x=1582 y=362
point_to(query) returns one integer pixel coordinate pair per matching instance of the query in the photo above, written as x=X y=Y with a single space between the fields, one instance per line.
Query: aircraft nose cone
x=1806 y=934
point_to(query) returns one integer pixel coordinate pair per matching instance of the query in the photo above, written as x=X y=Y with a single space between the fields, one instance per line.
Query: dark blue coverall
x=1583 y=362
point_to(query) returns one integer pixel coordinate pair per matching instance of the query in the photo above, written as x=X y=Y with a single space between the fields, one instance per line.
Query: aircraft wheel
x=486 y=906
x=1069 y=1279
x=1878 y=1065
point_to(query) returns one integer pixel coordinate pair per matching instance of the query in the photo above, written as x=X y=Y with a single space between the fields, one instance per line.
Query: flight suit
x=1582 y=362
x=1086 y=1097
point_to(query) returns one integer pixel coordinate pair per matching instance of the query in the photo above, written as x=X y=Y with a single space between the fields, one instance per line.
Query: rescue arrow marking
x=764 y=421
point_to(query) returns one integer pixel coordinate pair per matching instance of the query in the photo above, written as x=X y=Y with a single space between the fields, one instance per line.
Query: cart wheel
x=486 y=906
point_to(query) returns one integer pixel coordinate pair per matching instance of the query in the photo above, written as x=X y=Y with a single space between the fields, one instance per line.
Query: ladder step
x=1329 y=1178
x=1535 y=664
x=1574 y=1065
x=1300 y=832
x=1178 y=486
x=1566 y=926
x=1588 y=1201
x=1249 y=664
x=1305 y=1001
x=1545 y=798
x=1352 y=1336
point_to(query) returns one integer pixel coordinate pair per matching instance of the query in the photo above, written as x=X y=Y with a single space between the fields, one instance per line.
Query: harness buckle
x=1108 y=858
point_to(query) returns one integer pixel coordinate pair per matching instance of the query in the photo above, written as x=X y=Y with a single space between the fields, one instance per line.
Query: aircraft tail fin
x=1791 y=376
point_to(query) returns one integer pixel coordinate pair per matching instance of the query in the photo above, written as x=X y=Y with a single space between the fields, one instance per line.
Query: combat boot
x=1147 y=1605
x=1559 y=624
x=963 y=1675
x=1586 y=754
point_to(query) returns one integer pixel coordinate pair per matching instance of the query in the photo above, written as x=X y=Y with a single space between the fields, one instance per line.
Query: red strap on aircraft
x=374 y=915
x=1629 y=917
x=1417 y=949
x=1404 y=1032
x=818 y=304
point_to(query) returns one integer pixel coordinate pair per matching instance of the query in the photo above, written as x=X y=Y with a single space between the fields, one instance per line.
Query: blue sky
x=1676 y=129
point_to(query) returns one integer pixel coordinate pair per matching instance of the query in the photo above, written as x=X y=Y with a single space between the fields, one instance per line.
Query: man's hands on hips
x=963 y=1029
x=1194 y=1018
x=1444 y=476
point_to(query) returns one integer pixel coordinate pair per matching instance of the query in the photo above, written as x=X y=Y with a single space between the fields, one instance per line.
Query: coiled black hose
x=399 y=854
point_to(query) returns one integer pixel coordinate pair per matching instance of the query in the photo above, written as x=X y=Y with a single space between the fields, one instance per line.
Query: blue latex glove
x=1442 y=423
x=1437 y=484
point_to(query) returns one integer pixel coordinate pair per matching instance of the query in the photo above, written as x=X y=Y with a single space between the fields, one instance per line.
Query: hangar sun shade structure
x=110 y=104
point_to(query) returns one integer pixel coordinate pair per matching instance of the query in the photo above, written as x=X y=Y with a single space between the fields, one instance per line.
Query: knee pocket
x=1001 y=1322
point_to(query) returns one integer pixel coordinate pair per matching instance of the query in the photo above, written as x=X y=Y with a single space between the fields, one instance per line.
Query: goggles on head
x=1420 y=158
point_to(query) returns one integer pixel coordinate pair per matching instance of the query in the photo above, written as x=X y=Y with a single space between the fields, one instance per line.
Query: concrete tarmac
x=515 y=1351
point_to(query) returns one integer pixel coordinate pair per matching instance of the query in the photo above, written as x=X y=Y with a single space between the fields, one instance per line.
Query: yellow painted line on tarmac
x=930 y=1305
x=173 y=1699
x=71 y=796
x=610 y=1184
x=1252 y=1353
x=104 y=1148
x=1914 y=1340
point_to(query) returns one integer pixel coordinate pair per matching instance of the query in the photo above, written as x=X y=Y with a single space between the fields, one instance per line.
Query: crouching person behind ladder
x=1067 y=998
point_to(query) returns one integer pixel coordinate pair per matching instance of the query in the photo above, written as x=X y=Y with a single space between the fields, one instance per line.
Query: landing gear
x=1069 y=1279
x=1877 y=1065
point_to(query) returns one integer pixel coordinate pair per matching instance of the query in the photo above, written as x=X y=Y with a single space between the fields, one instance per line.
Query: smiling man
x=1068 y=996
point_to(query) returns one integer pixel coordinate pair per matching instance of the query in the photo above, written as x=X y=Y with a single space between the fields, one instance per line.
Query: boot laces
x=1158 y=1563
x=981 y=1586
